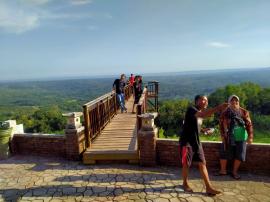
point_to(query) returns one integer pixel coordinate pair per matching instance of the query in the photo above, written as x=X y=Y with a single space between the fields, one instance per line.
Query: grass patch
x=260 y=136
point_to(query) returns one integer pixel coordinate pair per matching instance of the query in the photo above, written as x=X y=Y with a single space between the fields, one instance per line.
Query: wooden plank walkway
x=117 y=141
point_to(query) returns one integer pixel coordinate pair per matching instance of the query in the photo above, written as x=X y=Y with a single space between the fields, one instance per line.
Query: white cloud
x=28 y=15
x=217 y=44
x=35 y=2
x=16 y=20
x=59 y=16
x=80 y=2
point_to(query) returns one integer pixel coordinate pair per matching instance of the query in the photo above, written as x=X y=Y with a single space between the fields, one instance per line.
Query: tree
x=171 y=116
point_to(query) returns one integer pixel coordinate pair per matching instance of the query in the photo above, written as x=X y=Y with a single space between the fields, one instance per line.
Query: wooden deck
x=117 y=141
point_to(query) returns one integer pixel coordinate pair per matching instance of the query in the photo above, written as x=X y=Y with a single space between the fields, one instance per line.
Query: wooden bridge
x=112 y=135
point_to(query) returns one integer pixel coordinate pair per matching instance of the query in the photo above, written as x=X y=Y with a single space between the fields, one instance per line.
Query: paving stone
x=69 y=191
x=175 y=200
x=98 y=189
x=161 y=200
x=260 y=197
x=88 y=192
x=194 y=199
x=118 y=192
x=42 y=179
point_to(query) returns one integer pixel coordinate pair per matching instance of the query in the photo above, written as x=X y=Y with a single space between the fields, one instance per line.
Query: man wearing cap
x=236 y=130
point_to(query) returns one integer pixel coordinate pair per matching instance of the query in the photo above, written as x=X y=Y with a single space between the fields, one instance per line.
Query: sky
x=70 y=38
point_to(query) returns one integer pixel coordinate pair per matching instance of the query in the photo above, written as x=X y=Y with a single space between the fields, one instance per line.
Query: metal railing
x=152 y=94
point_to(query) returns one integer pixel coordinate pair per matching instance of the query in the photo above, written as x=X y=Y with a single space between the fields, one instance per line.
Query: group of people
x=235 y=128
x=236 y=131
x=136 y=84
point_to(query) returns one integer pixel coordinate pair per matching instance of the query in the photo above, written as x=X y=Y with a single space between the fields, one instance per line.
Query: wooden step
x=94 y=155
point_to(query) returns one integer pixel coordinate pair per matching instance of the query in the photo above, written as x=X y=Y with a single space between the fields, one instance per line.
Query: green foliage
x=171 y=116
x=39 y=104
x=45 y=120
x=261 y=122
x=261 y=136
x=252 y=97
x=33 y=103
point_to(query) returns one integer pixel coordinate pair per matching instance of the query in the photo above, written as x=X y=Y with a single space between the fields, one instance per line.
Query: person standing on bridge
x=190 y=146
x=137 y=91
x=131 y=81
x=119 y=86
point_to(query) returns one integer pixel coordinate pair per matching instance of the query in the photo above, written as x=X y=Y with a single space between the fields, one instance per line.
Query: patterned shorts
x=189 y=155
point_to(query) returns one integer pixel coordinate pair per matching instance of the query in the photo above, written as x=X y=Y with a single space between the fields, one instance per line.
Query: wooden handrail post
x=108 y=109
x=98 y=117
x=87 y=126
x=115 y=103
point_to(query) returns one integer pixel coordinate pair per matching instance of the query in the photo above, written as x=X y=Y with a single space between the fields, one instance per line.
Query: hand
x=208 y=131
x=250 y=140
x=224 y=138
x=222 y=106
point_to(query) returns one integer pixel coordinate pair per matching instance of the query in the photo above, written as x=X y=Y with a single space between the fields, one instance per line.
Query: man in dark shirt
x=119 y=86
x=190 y=145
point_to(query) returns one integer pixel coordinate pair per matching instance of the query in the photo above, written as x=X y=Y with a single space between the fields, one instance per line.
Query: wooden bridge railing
x=99 y=112
x=141 y=108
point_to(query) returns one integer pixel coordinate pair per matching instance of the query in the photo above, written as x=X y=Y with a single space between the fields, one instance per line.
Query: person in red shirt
x=131 y=81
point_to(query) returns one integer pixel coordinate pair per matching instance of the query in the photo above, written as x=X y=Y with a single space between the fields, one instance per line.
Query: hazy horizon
x=151 y=74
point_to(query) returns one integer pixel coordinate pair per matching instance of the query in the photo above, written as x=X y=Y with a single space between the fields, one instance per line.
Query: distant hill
x=188 y=84
x=71 y=94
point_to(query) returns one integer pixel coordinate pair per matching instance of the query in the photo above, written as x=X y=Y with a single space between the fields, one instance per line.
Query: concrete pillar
x=147 y=136
x=74 y=133
x=7 y=130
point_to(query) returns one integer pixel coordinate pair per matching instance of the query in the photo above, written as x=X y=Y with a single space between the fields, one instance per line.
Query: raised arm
x=210 y=111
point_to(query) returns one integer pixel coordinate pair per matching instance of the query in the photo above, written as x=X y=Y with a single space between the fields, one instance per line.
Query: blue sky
x=60 y=38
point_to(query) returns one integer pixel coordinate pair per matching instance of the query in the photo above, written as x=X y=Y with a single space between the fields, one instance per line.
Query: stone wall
x=258 y=155
x=70 y=146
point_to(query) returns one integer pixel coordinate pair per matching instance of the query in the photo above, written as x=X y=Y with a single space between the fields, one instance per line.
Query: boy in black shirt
x=190 y=145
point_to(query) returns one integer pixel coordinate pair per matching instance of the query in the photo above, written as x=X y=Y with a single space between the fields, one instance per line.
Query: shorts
x=137 y=98
x=234 y=152
x=189 y=155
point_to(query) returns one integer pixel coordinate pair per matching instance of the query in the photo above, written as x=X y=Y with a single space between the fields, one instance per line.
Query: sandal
x=220 y=174
x=236 y=176
x=213 y=192
x=187 y=188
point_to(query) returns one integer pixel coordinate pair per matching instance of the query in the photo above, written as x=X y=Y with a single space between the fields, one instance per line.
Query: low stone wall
x=39 y=144
x=258 y=155
x=69 y=146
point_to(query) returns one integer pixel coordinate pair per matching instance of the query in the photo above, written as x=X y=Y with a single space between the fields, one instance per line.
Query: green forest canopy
x=39 y=104
x=252 y=97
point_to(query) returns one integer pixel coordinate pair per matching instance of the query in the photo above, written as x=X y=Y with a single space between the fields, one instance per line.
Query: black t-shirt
x=119 y=86
x=138 y=88
x=191 y=130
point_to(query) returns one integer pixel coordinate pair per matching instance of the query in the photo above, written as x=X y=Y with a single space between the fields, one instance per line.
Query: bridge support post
x=147 y=136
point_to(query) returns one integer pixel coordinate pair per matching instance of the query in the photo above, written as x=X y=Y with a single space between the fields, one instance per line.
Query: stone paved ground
x=43 y=179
